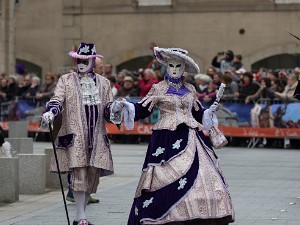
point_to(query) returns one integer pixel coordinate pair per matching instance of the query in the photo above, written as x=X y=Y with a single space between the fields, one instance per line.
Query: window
x=154 y=2
x=287 y=1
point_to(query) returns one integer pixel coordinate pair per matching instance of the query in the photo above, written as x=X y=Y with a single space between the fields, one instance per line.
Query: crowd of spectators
x=226 y=67
x=241 y=85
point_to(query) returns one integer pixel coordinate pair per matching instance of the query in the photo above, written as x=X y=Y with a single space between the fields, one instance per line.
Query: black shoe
x=70 y=196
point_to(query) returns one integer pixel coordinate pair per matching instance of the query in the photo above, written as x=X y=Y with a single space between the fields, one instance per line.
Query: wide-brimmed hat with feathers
x=85 y=51
x=164 y=55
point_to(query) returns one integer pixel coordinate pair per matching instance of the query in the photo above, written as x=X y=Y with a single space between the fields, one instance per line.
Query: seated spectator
x=289 y=89
x=247 y=87
x=265 y=91
x=46 y=91
x=127 y=90
x=209 y=96
x=202 y=81
x=231 y=87
x=146 y=82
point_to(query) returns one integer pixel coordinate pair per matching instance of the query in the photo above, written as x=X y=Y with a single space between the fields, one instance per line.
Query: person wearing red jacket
x=147 y=80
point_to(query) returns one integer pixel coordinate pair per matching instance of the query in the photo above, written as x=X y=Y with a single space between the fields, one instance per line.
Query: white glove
x=118 y=106
x=47 y=118
x=213 y=108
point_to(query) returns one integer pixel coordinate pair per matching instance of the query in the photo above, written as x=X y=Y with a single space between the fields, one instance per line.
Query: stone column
x=9 y=180
x=18 y=129
x=32 y=170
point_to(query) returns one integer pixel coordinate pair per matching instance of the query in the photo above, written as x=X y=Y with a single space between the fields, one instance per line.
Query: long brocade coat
x=72 y=138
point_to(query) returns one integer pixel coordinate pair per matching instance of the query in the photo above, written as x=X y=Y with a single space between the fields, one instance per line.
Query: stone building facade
x=123 y=29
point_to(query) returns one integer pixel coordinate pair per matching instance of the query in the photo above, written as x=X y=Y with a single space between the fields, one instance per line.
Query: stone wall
x=122 y=31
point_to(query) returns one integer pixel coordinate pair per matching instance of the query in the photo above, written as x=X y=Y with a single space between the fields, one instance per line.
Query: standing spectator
x=189 y=78
x=265 y=91
x=98 y=68
x=108 y=70
x=12 y=87
x=114 y=90
x=247 y=87
x=157 y=67
x=127 y=90
x=237 y=76
x=30 y=93
x=24 y=84
x=209 y=96
x=120 y=78
x=46 y=91
x=211 y=71
x=237 y=62
x=225 y=63
x=297 y=72
x=217 y=79
x=202 y=81
x=136 y=85
x=3 y=89
x=277 y=86
x=231 y=87
x=146 y=82
x=289 y=89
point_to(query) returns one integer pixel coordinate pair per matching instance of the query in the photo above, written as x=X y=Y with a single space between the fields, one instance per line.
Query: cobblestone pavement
x=264 y=185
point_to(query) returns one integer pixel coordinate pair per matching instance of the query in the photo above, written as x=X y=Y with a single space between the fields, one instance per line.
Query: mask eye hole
x=83 y=61
x=178 y=65
x=171 y=65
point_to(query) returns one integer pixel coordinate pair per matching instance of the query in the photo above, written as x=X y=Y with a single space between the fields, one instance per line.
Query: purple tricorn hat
x=85 y=51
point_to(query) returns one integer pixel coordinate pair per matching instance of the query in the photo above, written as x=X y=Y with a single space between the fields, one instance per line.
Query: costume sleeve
x=198 y=112
x=297 y=91
x=144 y=107
x=141 y=112
x=107 y=102
x=56 y=102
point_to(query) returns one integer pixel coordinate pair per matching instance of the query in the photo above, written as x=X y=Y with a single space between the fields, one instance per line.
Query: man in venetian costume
x=78 y=109
x=181 y=181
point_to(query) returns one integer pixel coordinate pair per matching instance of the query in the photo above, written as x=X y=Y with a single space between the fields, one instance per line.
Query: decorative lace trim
x=90 y=93
x=174 y=85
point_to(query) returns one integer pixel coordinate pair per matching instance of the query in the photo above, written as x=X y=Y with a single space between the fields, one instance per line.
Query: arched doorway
x=30 y=67
x=280 y=61
x=135 y=63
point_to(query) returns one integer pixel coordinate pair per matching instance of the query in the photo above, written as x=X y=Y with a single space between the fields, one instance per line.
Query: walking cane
x=59 y=174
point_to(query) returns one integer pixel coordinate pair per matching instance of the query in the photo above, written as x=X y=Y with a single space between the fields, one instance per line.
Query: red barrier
x=146 y=129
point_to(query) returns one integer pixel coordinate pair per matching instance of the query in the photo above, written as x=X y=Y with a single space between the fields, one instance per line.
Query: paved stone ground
x=264 y=185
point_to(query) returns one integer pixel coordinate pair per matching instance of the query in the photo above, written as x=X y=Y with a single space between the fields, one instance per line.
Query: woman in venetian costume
x=181 y=181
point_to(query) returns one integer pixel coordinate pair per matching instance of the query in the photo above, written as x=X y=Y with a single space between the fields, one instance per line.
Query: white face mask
x=175 y=68
x=85 y=65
